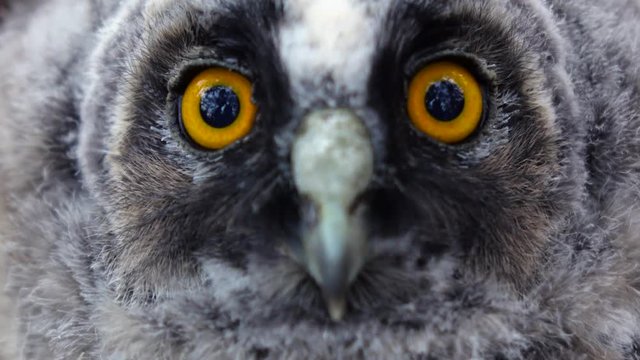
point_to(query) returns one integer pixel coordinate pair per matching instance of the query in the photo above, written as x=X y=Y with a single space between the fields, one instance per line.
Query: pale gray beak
x=332 y=160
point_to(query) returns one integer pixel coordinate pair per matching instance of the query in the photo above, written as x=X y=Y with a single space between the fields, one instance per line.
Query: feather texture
x=126 y=242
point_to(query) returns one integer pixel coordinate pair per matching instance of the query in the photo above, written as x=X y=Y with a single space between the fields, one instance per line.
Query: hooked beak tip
x=337 y=307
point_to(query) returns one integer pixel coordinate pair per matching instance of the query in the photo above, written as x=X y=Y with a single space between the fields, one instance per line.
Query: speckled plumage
x=126 y=242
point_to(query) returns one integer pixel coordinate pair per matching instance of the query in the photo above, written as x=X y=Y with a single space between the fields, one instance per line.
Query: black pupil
x=444 y=100
x=219 y=106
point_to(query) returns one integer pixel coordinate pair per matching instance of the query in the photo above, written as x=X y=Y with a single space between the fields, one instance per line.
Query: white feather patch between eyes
x=333 y=38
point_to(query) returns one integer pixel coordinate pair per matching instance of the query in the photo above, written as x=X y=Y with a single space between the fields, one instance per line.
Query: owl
x=322 y=179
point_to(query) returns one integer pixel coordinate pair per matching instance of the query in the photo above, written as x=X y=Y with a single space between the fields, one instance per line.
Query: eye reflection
x=444 y=100
x=219 y=106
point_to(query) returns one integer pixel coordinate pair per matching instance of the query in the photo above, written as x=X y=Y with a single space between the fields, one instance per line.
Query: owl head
x=362 y=166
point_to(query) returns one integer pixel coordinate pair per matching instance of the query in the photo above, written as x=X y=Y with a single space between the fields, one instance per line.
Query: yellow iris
x=425 y=109
x=223 y=93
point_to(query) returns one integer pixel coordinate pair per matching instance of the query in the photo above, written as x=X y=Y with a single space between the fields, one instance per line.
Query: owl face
x=314 y=160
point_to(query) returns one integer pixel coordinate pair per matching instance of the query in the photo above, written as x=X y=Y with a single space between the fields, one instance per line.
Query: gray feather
x=127 y=242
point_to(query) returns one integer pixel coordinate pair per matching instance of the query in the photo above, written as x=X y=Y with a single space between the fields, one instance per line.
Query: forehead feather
x=329 y=39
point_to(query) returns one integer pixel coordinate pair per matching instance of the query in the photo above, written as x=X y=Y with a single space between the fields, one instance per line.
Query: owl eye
x=217 y=109
x=445 y=102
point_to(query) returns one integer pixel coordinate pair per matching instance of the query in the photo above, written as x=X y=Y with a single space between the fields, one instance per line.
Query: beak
x=332 y=161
